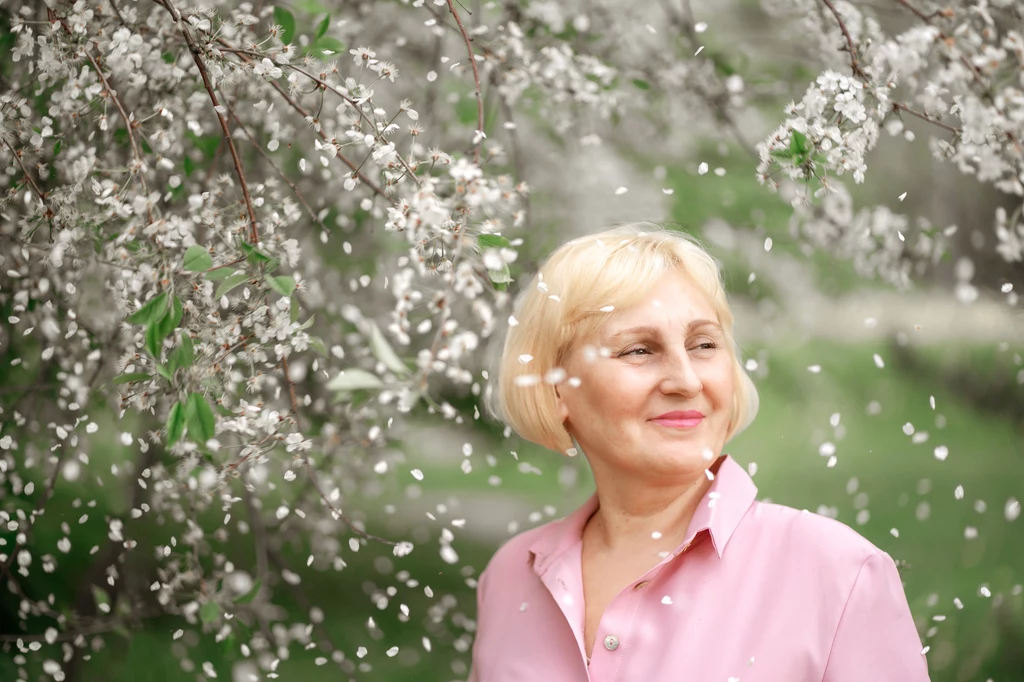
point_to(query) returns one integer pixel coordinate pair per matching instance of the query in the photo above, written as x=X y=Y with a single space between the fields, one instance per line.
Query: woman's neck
x=637 y=516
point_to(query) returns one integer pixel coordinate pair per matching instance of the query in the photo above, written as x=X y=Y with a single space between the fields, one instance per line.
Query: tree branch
x=287 y=180
x=927 y=18
x=897 y=106
x=476 y=81
x=305 y=114
x=96 y=628
x=136 y=152
x=854 y=59
x=47 y=212
x=198 y=58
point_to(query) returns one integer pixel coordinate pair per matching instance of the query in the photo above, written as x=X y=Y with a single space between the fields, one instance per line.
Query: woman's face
x=679 y=363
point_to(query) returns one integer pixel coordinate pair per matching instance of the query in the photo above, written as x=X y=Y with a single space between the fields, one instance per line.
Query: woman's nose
x=681 y=376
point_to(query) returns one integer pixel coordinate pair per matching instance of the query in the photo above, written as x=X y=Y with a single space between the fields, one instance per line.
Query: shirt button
x=611 y=642
x=640 y=585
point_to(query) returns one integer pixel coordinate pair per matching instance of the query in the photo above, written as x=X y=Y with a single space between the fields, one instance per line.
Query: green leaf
x=219 y=274
x=164 y=371
x=167 y=57
x=159 y=330
x=641 y=84
x=782 y=153
x=254 y=255
x=183 y=355
x=322 y=27
x=99 y=595
x=251 y=594
x=492 y=241
x=56 y=147
x=354 y=379
x=230 y=283
x=283 y=285
x=154 y=309
x=197 y=259
x=326 y=47
x=286 y=21
x=207 y=144
x=293 y=311
x=189 y=165
x=130 y=377
x=201 y=422
x=175 y=423
x=209 y=611
x=308 y=323
x=502 y=276
x=382 y=351
x=797 y=142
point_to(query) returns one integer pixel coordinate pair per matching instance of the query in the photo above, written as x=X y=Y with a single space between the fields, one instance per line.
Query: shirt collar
x=719 y=512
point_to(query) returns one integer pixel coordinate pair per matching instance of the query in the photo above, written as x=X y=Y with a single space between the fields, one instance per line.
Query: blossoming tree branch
x=241 y=242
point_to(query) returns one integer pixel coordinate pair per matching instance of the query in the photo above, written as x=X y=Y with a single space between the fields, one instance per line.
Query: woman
x=622 y=348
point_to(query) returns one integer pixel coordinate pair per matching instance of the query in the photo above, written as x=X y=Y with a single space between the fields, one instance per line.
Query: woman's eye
x=705 y=345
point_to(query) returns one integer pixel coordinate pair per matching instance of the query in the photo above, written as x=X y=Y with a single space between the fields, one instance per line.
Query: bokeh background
x=919 y=394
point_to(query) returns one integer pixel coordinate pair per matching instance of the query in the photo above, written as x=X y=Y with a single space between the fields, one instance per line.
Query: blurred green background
x=883 y=480
x=962 y=556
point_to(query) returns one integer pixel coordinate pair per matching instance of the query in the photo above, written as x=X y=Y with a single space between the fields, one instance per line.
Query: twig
x=432 y=86
x=337 y=513
x=136 y=152
x=305 y=114
x=897 y=106
x=287 y=180
x=517 y=156
x=312 y=472
x=213 y=163
x=198 y=58
x=684 y=22
x=927 y=18
x=476 y=81
x=854 y=60
x=98 y=627
x=113 y=6
x=48 y=212
x=921 y=15
x=290 y=383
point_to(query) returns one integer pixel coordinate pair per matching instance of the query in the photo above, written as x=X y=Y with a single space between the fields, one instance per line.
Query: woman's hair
x=564 y=302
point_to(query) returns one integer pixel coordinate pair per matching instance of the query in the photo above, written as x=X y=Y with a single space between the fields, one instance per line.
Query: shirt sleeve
x=876 y=638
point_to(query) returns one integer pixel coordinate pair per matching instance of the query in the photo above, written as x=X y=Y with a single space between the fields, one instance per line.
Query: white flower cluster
x=954 y=69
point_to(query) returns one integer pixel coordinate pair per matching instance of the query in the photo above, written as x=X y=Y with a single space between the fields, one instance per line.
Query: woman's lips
x=680 y=423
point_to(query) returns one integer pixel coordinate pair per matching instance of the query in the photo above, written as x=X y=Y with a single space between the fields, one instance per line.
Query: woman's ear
x=563 y=409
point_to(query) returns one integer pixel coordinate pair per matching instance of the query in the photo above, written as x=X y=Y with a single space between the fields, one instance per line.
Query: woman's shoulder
x=809 y=534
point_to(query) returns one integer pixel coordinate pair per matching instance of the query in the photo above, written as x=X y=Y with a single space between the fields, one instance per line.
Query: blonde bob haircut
x=564 y=302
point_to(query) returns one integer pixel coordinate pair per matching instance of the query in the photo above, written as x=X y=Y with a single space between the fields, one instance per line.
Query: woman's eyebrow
x=655 y=331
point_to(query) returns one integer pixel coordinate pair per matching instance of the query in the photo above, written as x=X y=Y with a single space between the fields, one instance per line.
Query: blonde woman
x=672 y=570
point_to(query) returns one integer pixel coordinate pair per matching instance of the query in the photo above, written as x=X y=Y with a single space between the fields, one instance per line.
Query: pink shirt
x=757 y=592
